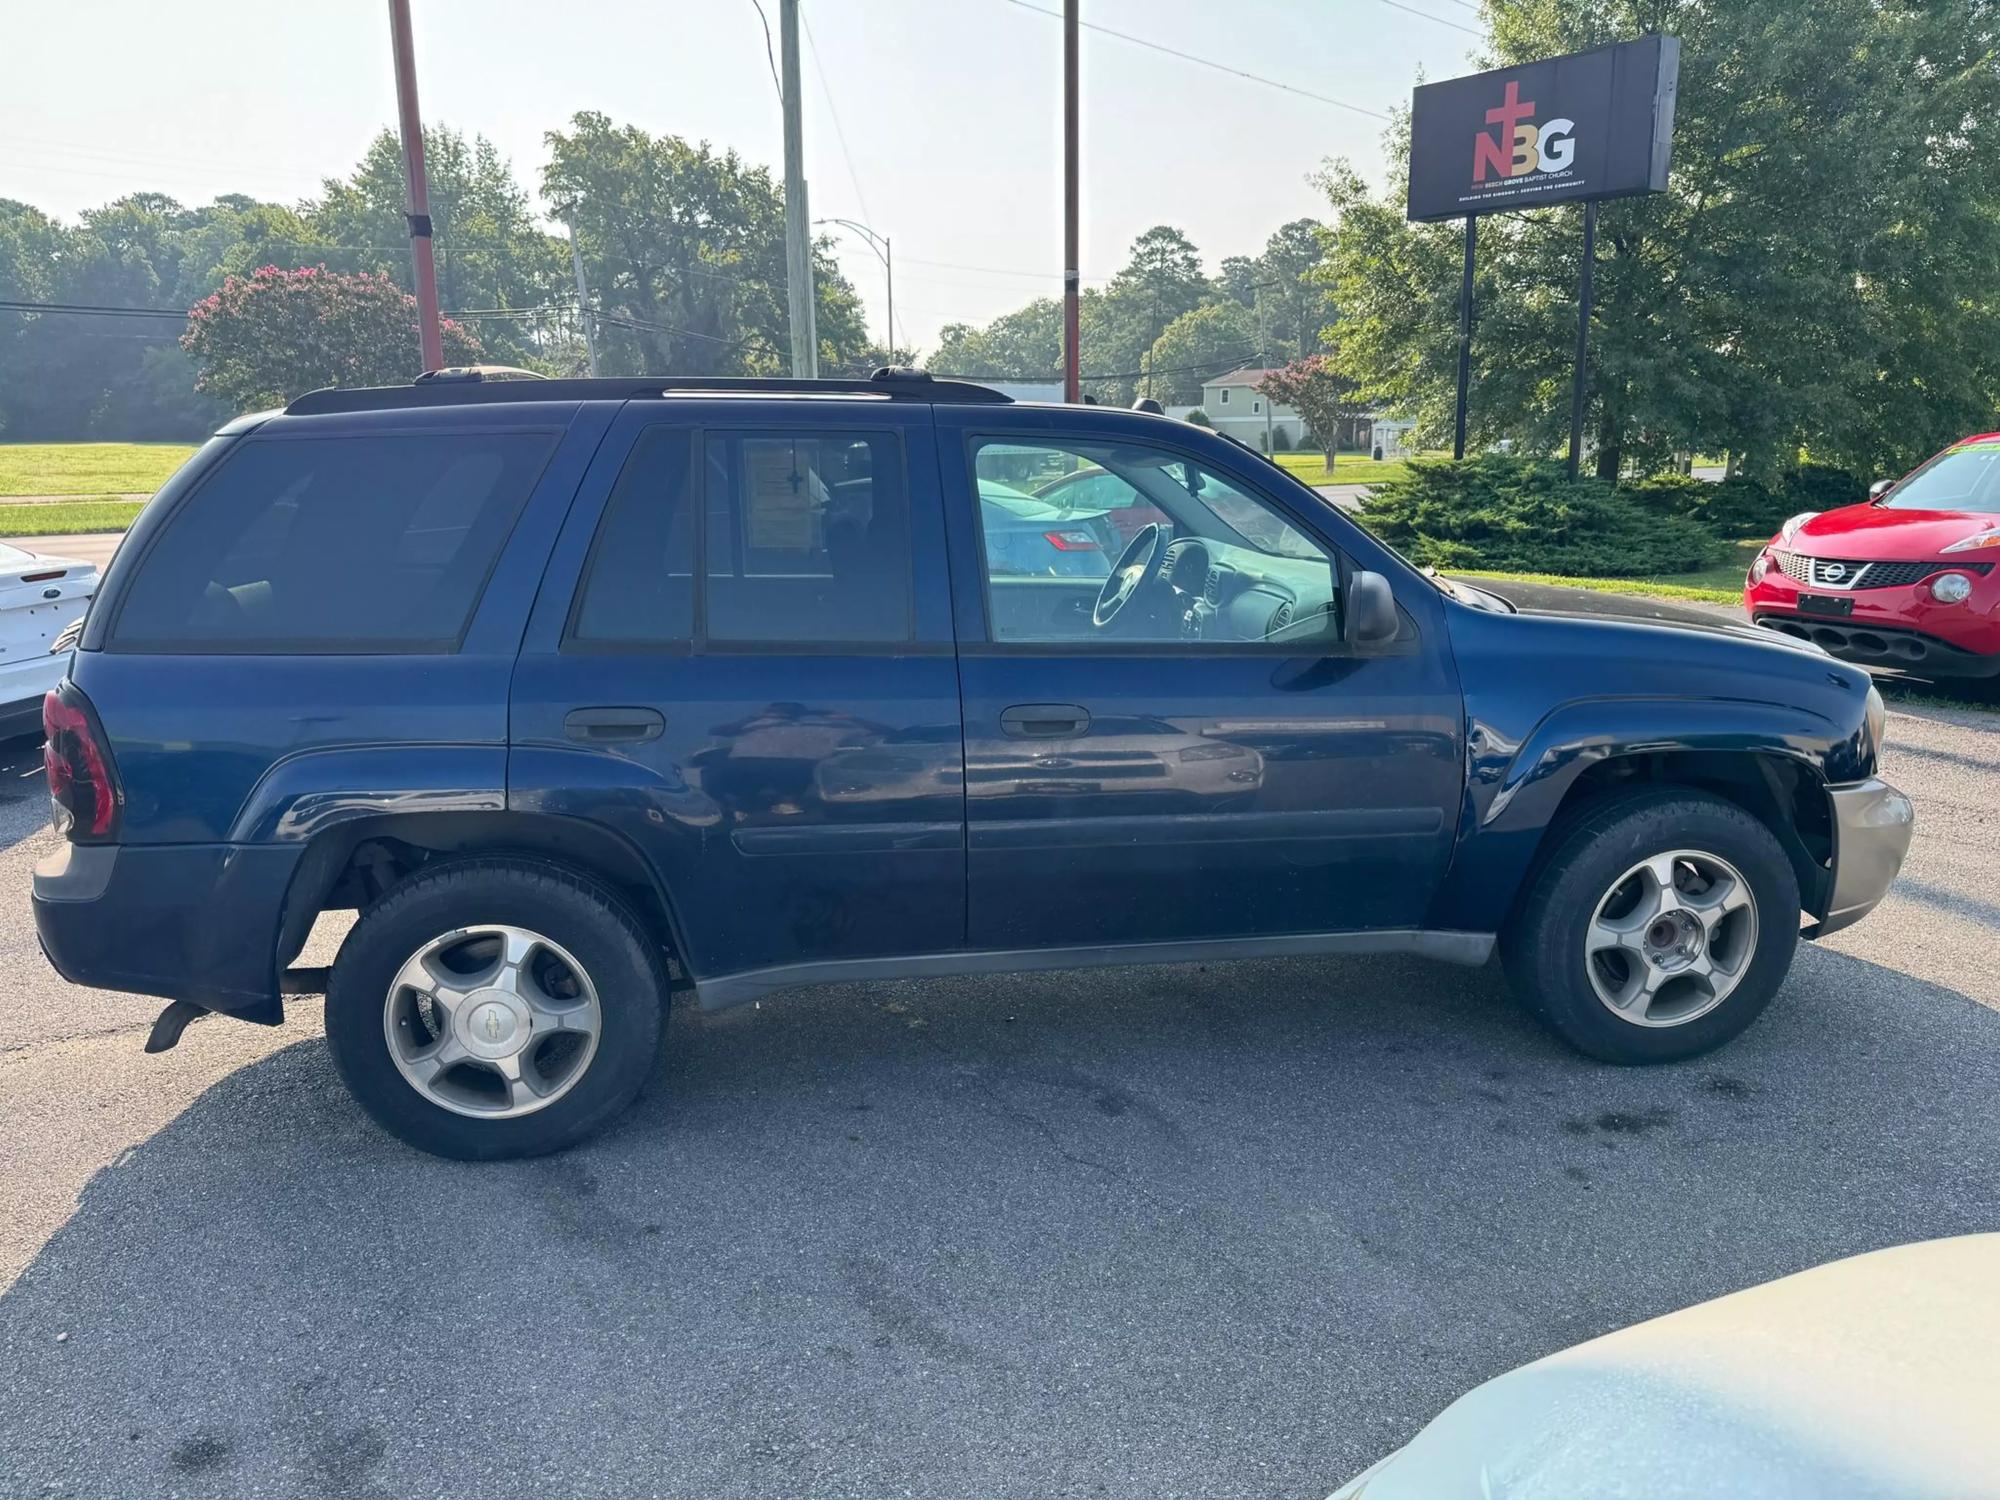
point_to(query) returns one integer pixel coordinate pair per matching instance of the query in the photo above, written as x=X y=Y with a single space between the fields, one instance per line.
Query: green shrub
x=1731 y=509
x=1200 y=418
x=1740 y=507
x=1281 y=441
x=1670 y=494
x=1527 y=516
x=1819 y=487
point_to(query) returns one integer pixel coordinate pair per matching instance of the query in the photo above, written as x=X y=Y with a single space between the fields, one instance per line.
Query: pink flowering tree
x=1323 y=399
x=276 y=334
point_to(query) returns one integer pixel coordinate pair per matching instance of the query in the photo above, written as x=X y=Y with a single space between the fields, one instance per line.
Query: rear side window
x=803 y=538
x=640 y=584
x=808 y=537
x=378 y=543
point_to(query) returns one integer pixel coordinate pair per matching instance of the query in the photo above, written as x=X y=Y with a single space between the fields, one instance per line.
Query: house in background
x=1394 y=436
x=1237 y=409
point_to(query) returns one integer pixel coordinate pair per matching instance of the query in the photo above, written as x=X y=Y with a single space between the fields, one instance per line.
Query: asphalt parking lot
x=1165 y=1232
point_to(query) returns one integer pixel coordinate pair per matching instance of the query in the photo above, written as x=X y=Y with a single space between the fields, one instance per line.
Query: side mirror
x=1371 y=610
x=1880 y=488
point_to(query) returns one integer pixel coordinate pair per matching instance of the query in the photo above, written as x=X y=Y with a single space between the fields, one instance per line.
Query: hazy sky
x=951 y=110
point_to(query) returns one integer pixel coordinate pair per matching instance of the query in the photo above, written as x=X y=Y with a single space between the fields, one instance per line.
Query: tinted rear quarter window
x=368 y=543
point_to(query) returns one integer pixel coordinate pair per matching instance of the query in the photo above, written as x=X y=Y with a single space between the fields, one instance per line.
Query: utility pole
x=1580 y=390
x=410 y=119
x=1072 y=276
x=1263 y=359
x=582 y=290
x=798 y=222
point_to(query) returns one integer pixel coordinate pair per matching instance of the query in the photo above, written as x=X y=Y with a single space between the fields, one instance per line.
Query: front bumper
x=1900 y=628
x=1872 y=823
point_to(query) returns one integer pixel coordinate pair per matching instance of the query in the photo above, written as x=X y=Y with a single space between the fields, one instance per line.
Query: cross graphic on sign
x=1498 y=154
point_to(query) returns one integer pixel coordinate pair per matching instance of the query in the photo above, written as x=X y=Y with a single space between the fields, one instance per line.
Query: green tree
x=1025 y=344
x=1236 y=279
x=265 y=338
x=685 y=254
x=1294 y=304
x=1162 y=279
x=1819 y=274
x=489 y=251
x=1198 y=346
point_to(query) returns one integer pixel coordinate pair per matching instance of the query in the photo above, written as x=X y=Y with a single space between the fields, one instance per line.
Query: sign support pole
x=1580 y=390
x=1465 y=336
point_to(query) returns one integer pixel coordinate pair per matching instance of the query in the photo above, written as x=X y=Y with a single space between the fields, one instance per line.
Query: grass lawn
x=63 y=517
x=87 y=468
x=1349 y=468
x=1718 y=585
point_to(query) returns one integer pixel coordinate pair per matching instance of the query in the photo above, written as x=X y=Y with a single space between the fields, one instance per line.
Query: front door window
x=1121 y=543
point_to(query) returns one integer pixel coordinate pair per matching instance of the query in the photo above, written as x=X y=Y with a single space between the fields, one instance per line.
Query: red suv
x=1908 y=579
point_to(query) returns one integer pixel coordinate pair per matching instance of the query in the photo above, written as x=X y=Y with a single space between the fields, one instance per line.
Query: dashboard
x=1230 y=593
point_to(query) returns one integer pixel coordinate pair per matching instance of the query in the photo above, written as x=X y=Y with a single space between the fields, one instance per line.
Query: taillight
x=78 y=761
x=1071 y=541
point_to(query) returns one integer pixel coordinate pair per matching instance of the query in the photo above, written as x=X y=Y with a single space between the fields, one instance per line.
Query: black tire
x=623 y=964
x=1543 y=948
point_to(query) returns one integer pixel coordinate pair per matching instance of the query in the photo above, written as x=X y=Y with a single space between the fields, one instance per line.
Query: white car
x=1874 y=1378
x=40 y=597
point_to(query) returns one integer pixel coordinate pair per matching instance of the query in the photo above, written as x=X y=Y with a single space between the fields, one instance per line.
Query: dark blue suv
x=580 y=689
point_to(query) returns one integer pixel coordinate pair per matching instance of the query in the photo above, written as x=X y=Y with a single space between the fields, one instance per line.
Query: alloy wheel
x=492 y=1021
x=1672 y=938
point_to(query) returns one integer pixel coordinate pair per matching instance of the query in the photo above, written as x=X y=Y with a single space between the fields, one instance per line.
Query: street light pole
x=582 y=291
x=879 y=243
x=423 y=265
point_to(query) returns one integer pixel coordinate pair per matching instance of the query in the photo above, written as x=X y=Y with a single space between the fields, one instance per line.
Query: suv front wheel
x=1659 y=928
x=490 y=1008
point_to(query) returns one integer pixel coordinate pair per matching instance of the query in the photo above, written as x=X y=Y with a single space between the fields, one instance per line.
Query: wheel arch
x=358 y=860
x=1522 y=794
x=1784 y=793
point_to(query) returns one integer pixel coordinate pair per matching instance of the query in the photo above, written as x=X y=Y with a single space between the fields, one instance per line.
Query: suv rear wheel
x=1659 y=928
x=496 y=1008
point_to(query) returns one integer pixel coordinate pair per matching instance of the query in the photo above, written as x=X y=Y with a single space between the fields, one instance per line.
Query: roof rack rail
x=480 y=372
x=480 y=385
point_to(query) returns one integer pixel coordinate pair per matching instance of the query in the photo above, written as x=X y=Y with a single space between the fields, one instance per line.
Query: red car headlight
x=1978 y=540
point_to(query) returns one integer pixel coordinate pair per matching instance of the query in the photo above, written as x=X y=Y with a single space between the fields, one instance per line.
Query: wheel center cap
x=493 y=1024
x=1673 y=940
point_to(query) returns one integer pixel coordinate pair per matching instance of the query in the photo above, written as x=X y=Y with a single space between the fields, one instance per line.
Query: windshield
x=1966 y=479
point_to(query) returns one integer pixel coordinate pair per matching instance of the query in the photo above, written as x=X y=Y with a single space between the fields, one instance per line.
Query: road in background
x=1192 y=1231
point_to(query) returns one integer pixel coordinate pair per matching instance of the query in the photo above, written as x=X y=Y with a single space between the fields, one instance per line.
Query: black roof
x=482 y=387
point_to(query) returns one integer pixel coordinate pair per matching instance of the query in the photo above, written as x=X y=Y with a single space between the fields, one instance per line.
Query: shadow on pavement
x=1194 y=1231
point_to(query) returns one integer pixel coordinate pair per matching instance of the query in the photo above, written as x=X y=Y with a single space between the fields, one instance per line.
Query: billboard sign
x=1595 y=124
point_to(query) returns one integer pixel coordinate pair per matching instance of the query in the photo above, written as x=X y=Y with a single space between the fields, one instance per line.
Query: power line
x=1205 y=62
x=1426 y=15
x=839 y=134
x=94 y=310
x=769 y=57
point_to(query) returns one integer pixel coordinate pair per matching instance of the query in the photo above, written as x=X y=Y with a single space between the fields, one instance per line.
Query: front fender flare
x=1515 y=785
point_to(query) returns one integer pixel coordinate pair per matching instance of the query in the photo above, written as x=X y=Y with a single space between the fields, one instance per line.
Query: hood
x=1870 y=1376
x=1630 y=609
x=1871 y=533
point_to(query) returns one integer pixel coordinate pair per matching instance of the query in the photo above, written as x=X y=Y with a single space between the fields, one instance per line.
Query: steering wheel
x=1138 y=565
